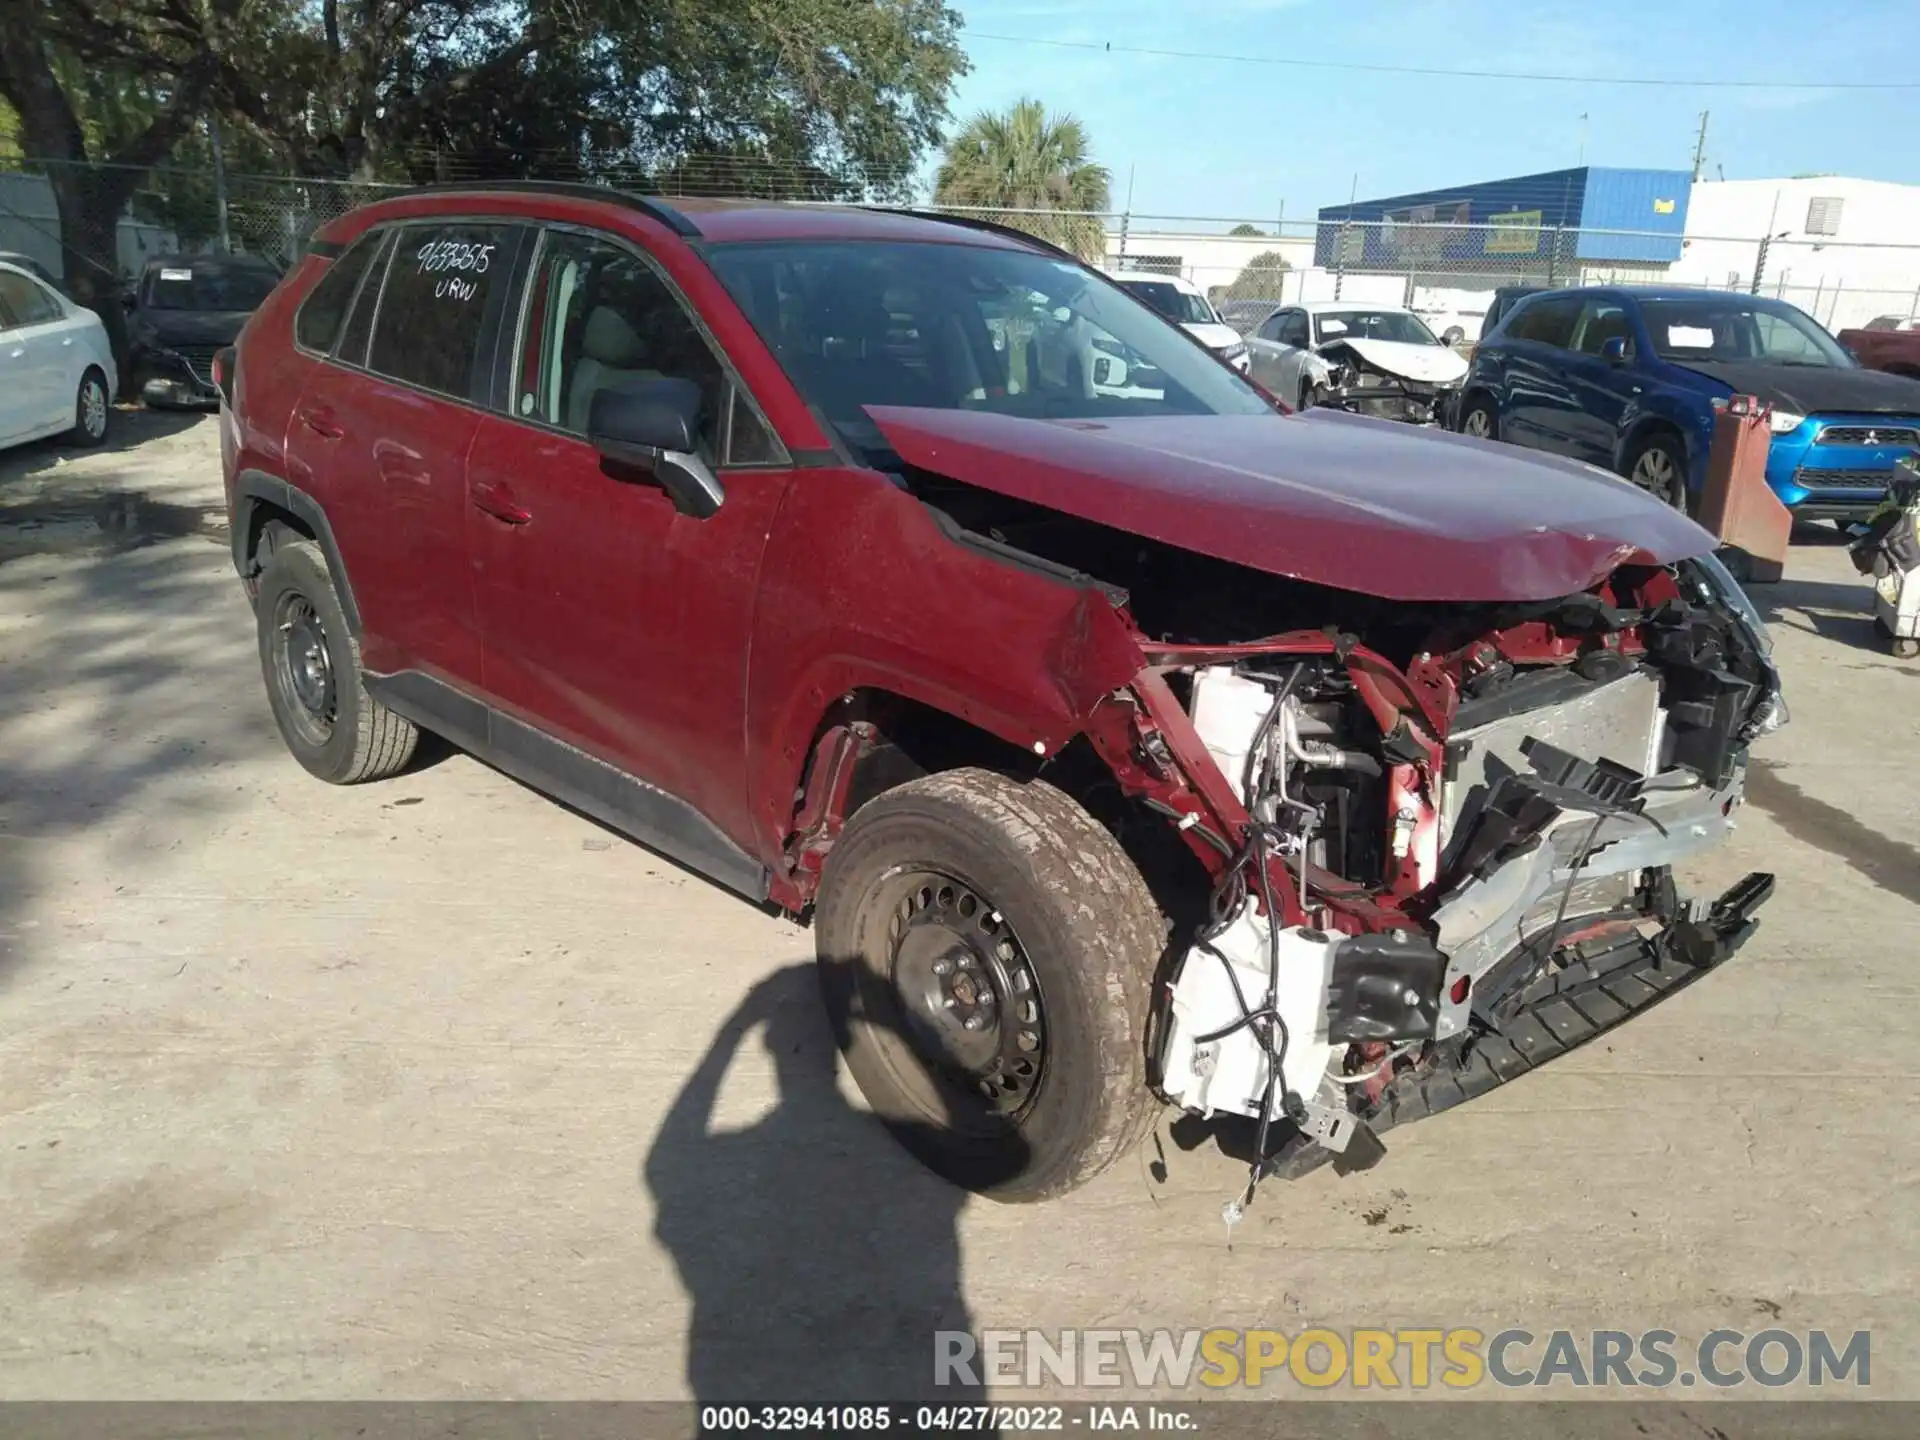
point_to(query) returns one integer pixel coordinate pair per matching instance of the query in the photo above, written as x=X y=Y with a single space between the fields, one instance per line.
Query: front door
x=612 y=621
x=1602 y=387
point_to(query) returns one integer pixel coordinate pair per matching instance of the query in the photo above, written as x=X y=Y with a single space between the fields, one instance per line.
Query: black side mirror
x=1614 y=350
x=650 y=425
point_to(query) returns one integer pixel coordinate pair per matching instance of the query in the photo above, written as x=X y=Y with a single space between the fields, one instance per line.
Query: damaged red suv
x=1126 y=741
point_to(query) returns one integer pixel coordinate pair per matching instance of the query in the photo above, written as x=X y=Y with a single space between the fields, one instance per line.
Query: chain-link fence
x=97 y=226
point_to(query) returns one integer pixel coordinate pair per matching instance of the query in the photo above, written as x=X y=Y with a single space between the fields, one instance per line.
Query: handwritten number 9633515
x=456 y=262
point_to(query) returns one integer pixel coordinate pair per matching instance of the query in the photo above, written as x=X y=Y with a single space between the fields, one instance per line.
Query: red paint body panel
x=1367 y=505
x=861 y=589
x=613 y=621
x=389 y=464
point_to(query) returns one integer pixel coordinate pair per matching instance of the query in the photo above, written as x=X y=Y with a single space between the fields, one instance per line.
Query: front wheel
x=1658 y=467
x=91 y=409
x=987 y=954
x=1479 y=419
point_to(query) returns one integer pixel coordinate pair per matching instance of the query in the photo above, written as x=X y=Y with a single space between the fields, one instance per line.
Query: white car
x=56 y=368
x=1181 y=302
x=1377 y=359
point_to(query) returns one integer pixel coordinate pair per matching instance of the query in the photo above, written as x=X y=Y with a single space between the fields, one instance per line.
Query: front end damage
x=1442 y=855
x=1364 y=384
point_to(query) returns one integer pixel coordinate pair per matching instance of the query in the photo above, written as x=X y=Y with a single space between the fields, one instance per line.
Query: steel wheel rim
x=1476 y=424
x=967 y=993
x=93 y=408
x=303 y=668
x=1655 y=473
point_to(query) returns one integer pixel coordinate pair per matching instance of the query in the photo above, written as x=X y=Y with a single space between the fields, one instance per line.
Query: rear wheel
x=1479 y=419
x=91 y=410
x=986 y=954
x=1657 y=466
x=311 y=663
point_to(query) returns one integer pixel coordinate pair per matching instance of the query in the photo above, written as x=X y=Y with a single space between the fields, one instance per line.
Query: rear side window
x=1546 y=322
x=435 y=303
x=324 y=311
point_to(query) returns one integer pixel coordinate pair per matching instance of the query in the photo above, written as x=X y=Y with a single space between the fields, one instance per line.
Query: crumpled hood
x=1214 y=337
x=1428 y=364
x=1392 y=510
x=1825 y=390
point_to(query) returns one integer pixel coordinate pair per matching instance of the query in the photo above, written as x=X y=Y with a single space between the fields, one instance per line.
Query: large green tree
x=1035 y=170
x=1259 y=279
x=803 y=97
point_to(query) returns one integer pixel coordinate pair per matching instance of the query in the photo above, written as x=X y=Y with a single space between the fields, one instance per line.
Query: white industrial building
x=1843 y=249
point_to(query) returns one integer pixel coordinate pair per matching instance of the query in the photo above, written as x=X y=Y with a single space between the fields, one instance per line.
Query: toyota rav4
x=1123 y=745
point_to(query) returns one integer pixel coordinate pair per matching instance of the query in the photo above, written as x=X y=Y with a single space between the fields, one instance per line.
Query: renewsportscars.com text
x=1457 y=1358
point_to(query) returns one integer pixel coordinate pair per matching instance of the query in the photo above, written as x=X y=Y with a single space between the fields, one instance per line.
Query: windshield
x=1395 y=325
x=1739 y=328
x=1171 y=301
x=963 y=327
x=202 y=286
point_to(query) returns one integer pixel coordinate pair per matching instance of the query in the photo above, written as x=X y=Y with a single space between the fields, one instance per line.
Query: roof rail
x=973 y=222
x=573 y=189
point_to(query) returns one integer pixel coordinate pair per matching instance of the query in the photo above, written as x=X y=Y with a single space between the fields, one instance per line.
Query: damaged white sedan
x=1371 y=359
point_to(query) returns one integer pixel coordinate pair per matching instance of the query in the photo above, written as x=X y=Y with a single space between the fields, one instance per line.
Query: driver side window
x=1294 y=332
x=598 y=316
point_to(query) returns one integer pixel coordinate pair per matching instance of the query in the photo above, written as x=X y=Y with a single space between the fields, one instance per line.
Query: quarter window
x=434 y=304
x=325 y=309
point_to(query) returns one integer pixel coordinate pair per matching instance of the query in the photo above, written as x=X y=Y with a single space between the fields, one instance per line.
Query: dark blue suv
x=1630 y=378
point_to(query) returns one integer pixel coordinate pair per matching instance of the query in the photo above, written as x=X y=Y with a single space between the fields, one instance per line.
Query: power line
x=1108 y=47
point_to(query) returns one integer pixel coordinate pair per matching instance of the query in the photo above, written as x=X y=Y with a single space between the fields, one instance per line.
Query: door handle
x=321 y=422
x=494 y=498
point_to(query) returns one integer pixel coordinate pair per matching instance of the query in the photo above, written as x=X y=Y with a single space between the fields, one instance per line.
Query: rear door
x=1538 y=398
x=382 y=430
x=16 y=409
x=613 y=622
x=1601 y=389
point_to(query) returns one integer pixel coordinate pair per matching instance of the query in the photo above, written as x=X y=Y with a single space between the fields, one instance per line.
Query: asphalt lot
x=433 y=1088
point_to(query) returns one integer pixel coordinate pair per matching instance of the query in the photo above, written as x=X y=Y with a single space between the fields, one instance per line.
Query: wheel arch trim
x=253 y=487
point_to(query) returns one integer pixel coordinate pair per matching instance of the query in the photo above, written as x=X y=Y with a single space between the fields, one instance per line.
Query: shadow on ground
x=129 y=684
x=819 y=1256
x=129 y=428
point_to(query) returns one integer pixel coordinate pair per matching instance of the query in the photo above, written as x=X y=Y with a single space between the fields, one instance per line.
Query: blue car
x=1629 y=379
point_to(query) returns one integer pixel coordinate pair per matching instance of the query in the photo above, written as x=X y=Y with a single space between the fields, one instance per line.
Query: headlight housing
x=1784 y=421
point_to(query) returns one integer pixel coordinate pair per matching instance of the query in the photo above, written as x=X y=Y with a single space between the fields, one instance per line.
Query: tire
x=1658 y=467
x=92 y=410
x=311 y=664
x=1031 y=903
x=1452 y=336
x=1312 y=394
x=1479 y=419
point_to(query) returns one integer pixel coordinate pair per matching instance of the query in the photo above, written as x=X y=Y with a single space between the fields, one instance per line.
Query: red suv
x=1124 y=739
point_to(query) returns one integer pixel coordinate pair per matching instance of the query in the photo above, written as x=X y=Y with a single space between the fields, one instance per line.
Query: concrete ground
x=432 y=1088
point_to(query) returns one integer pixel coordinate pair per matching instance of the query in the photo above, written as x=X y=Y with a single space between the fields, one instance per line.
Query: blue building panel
x=1518 y=221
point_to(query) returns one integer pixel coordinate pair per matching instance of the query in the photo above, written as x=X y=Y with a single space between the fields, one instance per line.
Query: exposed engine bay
x=1364 y=386
x=1438 y=836
x=1437 y=879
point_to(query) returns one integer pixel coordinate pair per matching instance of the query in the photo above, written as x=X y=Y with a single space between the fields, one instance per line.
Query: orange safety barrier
x=1736 y=502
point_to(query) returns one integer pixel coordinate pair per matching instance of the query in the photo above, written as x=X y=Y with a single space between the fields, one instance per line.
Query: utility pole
x=1126 y=216
x=1583 y=139
x=220 y=183
x=1346 y=228
x=1700 y=148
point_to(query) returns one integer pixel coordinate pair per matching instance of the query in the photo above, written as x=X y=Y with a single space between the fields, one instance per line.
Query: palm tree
x=1028 y=160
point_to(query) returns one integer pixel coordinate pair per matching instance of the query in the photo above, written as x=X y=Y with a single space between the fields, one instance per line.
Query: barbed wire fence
x=1439 y=264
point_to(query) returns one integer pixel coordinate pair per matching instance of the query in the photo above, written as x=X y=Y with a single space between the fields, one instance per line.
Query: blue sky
x=1216 y=138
